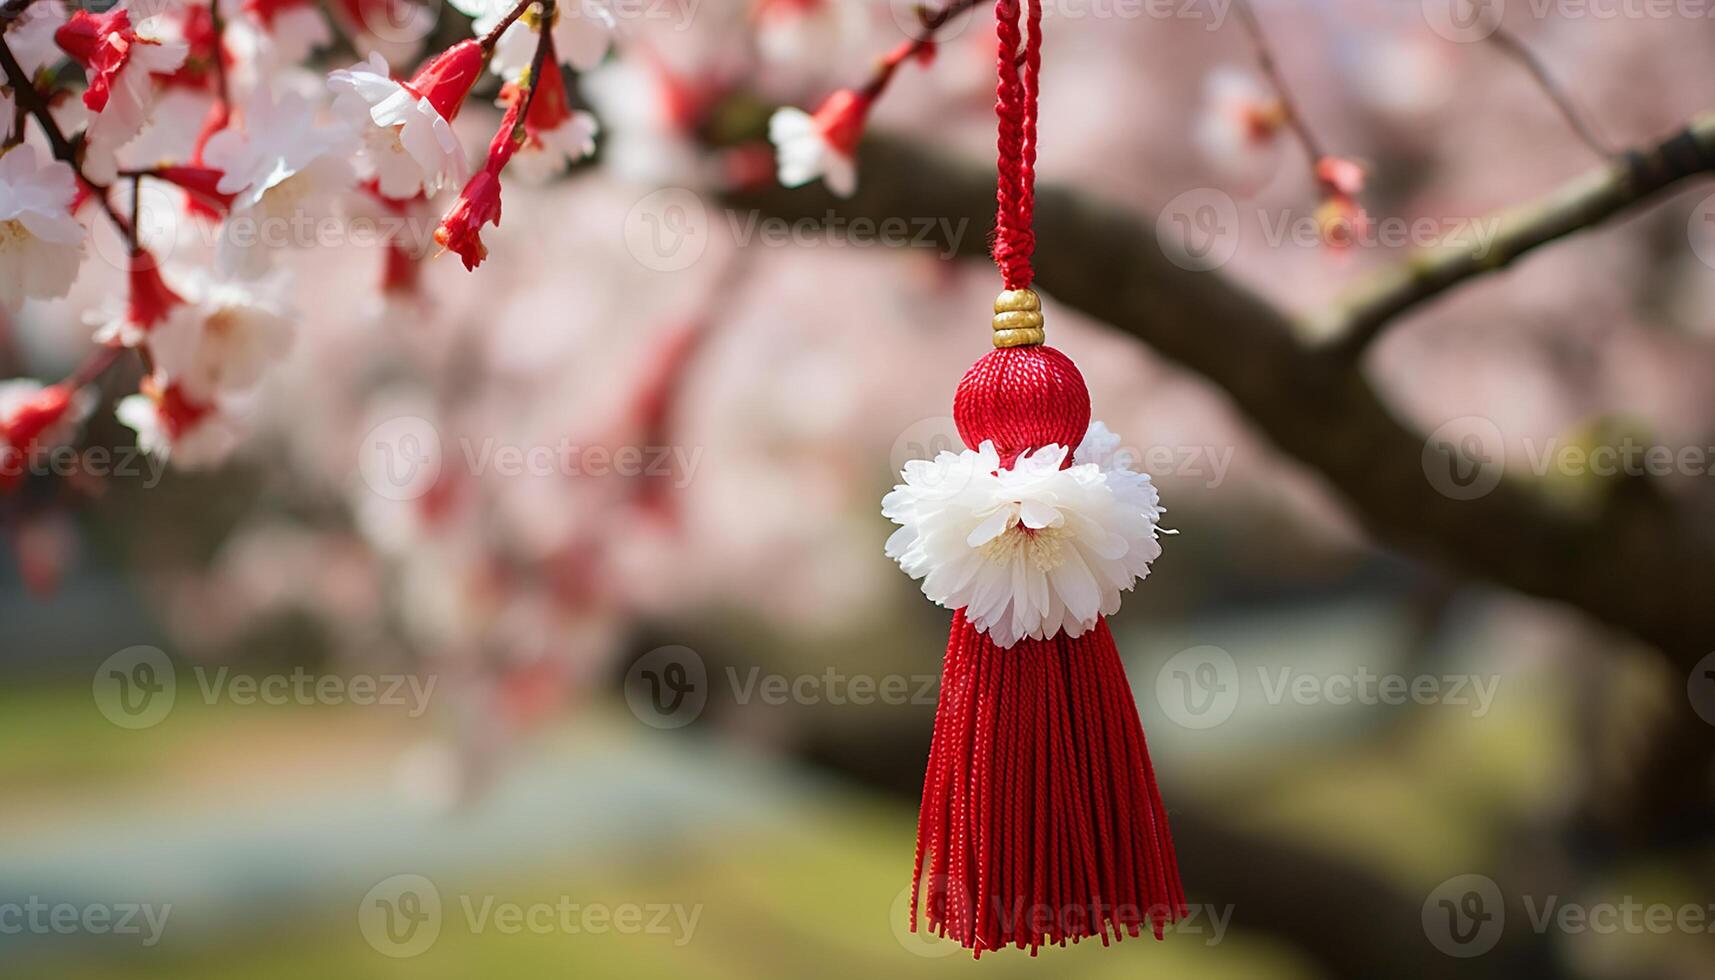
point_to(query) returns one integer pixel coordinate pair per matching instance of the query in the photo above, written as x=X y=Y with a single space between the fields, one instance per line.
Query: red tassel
x=1041 y=821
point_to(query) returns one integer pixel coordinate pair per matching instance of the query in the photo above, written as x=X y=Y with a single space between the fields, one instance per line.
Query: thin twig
x=1580 y=204
x=1282 y=92
x=932 y=22
x=1515 y=48
x=492 y=38
x=544 y=60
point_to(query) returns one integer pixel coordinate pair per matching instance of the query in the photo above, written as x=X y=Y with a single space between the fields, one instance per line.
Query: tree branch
x=1638 y=561
x=1585 y=202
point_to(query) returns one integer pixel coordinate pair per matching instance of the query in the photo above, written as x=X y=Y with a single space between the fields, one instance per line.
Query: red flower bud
x=479 y=202
x=841 y=119
x=447 y=77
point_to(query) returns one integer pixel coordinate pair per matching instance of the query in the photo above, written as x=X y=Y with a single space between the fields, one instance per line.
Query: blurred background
x=541 y=624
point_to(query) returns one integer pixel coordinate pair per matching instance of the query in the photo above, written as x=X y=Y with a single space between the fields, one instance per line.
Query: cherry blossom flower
x=1238 y=129
x=281 y=165
x=408 y=141
x=823 y=145
x=1032 y=550
x=149 y=303
x=32 y=418
x=40 y=241
x=172 y=426
x=123 y=63
x=223 y=341
x=582 y=30
x=554 y=134
x=31 y=38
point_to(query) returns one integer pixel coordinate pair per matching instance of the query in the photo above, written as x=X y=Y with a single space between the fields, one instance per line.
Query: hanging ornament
x=1041 y=821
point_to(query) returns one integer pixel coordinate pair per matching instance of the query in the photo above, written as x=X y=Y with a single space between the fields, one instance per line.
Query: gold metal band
x=1018 y=319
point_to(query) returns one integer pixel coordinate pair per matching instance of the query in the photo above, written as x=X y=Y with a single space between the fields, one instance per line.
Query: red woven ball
x=1022 y=398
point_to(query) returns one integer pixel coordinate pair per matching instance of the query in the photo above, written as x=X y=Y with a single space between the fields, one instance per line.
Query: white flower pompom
x=1031 y=550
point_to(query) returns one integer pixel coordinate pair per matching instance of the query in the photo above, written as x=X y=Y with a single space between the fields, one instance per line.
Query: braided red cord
x=1015 y=108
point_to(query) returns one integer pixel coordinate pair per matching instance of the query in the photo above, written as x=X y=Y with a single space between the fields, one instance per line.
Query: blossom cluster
x=211 y=101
